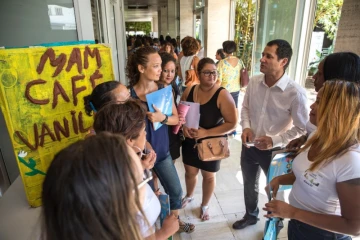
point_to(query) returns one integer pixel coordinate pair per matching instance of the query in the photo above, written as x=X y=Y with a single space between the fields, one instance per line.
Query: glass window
x=26 y=23
x=276 y=21
x=61 y=17
x=199 y=4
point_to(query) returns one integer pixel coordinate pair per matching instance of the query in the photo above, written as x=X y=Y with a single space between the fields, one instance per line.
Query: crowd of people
x=106 y=186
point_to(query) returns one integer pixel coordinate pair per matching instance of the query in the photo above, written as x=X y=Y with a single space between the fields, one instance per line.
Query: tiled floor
x=227 y=204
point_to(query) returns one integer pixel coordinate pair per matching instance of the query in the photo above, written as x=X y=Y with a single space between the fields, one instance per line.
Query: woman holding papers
x=217 y=118
x=144 y=70
x=324 y=200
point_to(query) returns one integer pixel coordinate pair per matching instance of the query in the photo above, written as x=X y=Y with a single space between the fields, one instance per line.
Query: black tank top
x=210 y=115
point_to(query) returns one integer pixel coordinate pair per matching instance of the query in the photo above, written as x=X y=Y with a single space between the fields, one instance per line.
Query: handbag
x=211 y=149
x=191 y=77
x=244 y=76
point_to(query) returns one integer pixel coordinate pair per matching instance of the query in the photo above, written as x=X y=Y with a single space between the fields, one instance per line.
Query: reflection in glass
x=276 y=21
x=61 y=18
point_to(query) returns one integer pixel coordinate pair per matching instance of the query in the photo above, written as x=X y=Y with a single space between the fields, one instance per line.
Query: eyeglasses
x=147 y=177
x=142 y=154
x=208 y=73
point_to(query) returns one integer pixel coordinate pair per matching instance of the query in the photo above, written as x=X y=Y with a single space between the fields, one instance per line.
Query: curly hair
x=140 y=57
x=189 y=46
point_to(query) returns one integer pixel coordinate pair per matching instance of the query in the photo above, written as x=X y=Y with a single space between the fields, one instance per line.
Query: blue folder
x=163 y=100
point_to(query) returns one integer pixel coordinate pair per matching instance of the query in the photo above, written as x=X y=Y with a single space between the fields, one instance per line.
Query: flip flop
x=205 y=213
x=185 y=201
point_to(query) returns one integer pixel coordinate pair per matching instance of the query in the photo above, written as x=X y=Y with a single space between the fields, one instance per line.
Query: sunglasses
x=147 y=177
x=142 y=154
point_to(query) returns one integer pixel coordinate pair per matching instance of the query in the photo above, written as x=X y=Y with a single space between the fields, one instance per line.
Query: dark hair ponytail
x=99 y=96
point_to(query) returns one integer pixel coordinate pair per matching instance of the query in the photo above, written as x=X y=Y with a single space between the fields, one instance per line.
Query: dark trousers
x=301 y=231
x=252 y=161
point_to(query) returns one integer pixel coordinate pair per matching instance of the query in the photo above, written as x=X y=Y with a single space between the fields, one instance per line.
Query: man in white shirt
x=274 y=112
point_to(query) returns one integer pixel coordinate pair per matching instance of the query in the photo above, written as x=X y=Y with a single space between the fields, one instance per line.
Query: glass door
x=199 y=26
x=288 y=20
x=109 y=28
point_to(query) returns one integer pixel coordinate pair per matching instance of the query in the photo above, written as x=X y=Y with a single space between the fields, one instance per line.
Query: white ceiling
x=142 y=14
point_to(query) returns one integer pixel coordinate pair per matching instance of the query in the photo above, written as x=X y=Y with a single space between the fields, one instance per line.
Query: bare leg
x=156 y=182
x=208 y=186
x=190 y=179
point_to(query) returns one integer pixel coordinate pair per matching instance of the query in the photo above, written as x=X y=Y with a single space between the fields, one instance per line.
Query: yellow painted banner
x=41 y=97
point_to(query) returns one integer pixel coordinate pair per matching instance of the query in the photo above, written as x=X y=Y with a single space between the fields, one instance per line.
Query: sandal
x=204 y=215
x=186 y=227
x=185 y=201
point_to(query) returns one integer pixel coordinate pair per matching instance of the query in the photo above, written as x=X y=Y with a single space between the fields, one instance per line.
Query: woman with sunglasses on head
x=144 y=70
x=324 y=199
x=115 y=92
x=217 y=118
x=102 y=94
x=95 y=189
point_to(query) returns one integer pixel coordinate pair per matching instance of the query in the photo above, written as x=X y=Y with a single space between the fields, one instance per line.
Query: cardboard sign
x=41 y=97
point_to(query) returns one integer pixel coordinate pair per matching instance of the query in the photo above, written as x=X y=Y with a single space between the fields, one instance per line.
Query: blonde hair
x=338 y=118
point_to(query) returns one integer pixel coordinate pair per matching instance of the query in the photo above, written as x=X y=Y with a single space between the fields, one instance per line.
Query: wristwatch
x=165 y=120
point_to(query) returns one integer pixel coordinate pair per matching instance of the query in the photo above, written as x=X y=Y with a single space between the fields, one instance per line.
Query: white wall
x=186 y=18
x=216 y=25
x=348 y=35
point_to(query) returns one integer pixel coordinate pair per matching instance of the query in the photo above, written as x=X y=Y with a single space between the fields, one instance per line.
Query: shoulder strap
x=191 y=94
x=196 y=94
x=216 y=94
x=133 y=93
x=193 y=64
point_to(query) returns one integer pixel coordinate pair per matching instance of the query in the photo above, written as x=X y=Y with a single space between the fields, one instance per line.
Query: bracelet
x=165 y=120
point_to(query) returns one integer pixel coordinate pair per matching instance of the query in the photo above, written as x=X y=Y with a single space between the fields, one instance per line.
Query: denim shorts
x=301 y=231
x=169 y=179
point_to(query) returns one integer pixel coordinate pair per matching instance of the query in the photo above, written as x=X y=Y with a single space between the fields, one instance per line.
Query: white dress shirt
x=279 y=112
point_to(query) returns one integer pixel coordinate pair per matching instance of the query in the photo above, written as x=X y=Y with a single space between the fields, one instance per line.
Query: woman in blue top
x=143 y=71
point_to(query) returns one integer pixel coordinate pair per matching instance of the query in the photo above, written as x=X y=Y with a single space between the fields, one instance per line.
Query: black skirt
x=191 y=157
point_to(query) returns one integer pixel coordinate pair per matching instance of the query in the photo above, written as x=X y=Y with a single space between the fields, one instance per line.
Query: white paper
x=193 y=116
